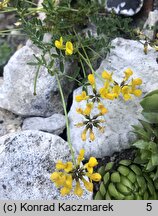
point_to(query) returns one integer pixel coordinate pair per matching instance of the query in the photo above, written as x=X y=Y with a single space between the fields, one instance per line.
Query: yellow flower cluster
x=4 y=4
x=110 y=91
x=67 y=173
x=68 y=47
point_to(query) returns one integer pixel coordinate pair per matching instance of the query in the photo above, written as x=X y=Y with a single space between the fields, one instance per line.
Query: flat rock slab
x=26 y=161
x=125 y=7
x=17 y=89
x=54 y=124
x=122 y=115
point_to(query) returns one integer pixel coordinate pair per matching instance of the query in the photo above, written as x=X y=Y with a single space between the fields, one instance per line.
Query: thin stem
x=66 y=118
x=90 y=66
x=69 y=77
x=84 y=72
x=36 y=77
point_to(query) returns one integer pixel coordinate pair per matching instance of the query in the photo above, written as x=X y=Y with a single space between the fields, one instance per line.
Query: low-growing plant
x=125 y=181
x=147 y=133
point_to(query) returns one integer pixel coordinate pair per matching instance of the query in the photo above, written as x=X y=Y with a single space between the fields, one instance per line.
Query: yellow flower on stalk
x=69 y=48
x=65 y=191
x=116 y=90
x=91 y=79
x=107 y=76
x=95 y=177
x=88 y=109
x=80 y=156
x=79 y=111
x=137 y=82
x=82 y=97
x=134 y=84
x=156 y=48
x=91 y=135
x=4 y=4
x=128 y=73
x=59 y=44
x=78 y=190
x=91 y=163
x=79 y=173
x=83 y=135
x=126 y=93
x=102 y=109
x=88 y=185
x=67 y=166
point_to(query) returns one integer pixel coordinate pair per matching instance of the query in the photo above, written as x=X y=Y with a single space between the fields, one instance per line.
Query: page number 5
x=149 y=207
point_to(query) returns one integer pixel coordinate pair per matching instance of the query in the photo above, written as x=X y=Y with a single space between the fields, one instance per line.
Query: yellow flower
x=81 y=124
x=107 y=75
x=55 y=176
x=69 y=48
x=59 y=44
x=137 y=81
x=89 y=107
x=95 y=177
x=67 y=166
x=58 y=178
x=102 y=109
x=91 y=79
x=110 y=96
x=65 y=191
x=64 y=180
x=79 y=111
x=68 y=182
x=126 y=93
x=92 y=136
x=88 y=185
x=116 y=90
x=78 y=190
x=83 y=135
x=80 y=156
x=128 y=73
x=60 y=165
x=81 y=97
x=137 y=92
x=92 y=163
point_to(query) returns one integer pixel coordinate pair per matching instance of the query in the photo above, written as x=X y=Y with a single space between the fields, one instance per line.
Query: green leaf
x=61 y=66
x=150 y=104
x=153 y=147
x=151 y=116
x=154 y=159
x=141 y=144
x=150 y=167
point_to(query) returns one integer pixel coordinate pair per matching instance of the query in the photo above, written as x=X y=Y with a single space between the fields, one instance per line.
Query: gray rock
x=9 y=122
x=124 y=7
x=16 y=92
x=150 y=23
x=54 y=124
x=26 y=161
x=122 y=115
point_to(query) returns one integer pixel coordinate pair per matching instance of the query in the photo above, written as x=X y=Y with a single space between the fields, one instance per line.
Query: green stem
x=36 y=77
x=90 y=66
x=84 y=72
x=66 y=118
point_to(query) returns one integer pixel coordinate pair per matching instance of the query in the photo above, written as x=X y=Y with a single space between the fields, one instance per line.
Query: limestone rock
x=150 y=23
x=26 y=161
x=54 y=124
x=122 y=115
x=124 y=7
x=9 y=122
x=16 y=92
